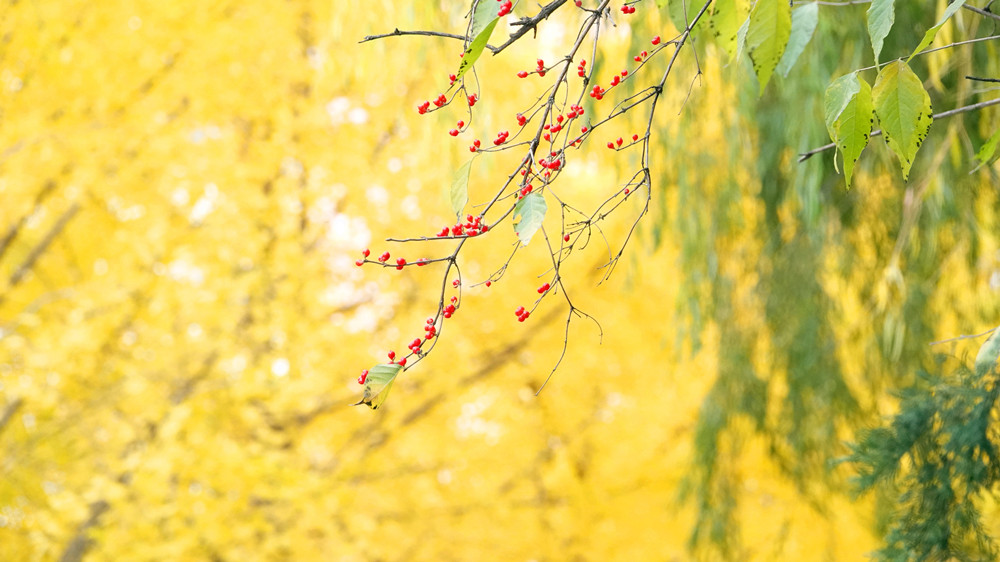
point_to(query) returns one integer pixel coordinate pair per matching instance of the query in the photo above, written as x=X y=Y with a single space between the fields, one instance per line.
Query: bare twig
x=963 y=337
x=398 y=33
x=978 y=79
x=980 y=11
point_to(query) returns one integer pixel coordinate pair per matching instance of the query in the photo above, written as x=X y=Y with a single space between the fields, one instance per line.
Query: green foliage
x=528 y=216
x=849 y=116
x=767 y=36
x=881 y=15
x=476 y=47
x=932 y=32
x=378 y=384
x=939 y=456
x=804 y=20
x=458 y=195
x=728 y=17
x=903 y=107
x=987 y=153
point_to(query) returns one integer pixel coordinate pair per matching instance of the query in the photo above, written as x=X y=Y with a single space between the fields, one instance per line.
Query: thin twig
x=980 y=11
x=978 y=79
x=878 y=132
x=963 y=337
x=397 y=33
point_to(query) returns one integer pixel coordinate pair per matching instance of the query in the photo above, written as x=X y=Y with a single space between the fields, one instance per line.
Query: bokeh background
x=184 y=189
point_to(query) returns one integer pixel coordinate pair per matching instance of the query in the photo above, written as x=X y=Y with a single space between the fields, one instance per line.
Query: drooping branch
x=878 y=132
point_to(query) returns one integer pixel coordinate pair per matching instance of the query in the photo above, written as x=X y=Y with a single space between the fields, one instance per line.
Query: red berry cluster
x=364 y=254
x=626 y=9
x=458 y=128
x=505 y=8
x=543 y=288
x=597 y=92
x=473 y=226
x=501 y=138
x=430 y=329
x=552 y=162
x=473 y=98
x=640 y=56
x=523 y=193
x=451 y=308
x=474 y=147
x=541 y=67
x=618 y=143
x=521 y=314
x=656 y=40
x=581 y=70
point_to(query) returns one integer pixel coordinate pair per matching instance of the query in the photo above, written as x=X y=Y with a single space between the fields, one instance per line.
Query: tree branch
x=80 y=542
x=980 y=11
x=964 y=109
x=398 y=33
x=9 y=412
x=528 y=24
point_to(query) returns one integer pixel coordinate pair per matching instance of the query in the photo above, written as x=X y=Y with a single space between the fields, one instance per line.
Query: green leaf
x=729 y=18
x=741 y=37
x=378 y=384
x=485 y=11
x=904 y=111
x=476 y=48
x=988 y=152
x=459 y=193
x=932 y=32
x=852 y=127
x=986 y=359
x=528 y=215
x=680 y=13
x=770 y=28
x=804 y=20
x=881 y=16
x=839 y=93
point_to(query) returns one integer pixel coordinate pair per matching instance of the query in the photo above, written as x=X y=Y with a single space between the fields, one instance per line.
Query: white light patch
x=280 y=367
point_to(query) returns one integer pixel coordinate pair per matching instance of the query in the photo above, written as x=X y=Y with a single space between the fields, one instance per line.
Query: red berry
x=566 y=238
x=579 y=3
x=635 y=138
x=363 y=377
x=383 y=257
x=611 y=145
x=519 y=311
x=453 y=132
x=543 y=288
x=522 y=74
x=473 y=98
x=366 y=253
x=583 y=129
x=619 y=141
x=400 y=263
x=359 y=263
x=488 y=282
x=637 y=58
x=402 y=362
x=626 y=191
x=392 y=355
x=656 y=40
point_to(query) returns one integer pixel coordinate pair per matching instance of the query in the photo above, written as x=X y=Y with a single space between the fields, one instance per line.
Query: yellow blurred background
x=185 y=187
